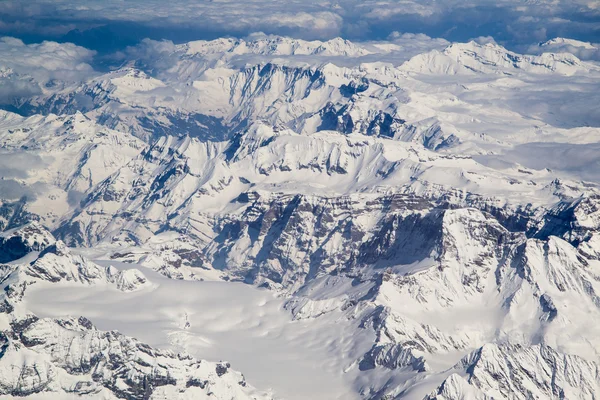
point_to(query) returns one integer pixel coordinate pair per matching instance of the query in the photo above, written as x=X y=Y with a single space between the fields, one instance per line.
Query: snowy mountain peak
x=281 y=46
x=491 y=58
x=516 y=372
x=567 y=42
x=19 y=242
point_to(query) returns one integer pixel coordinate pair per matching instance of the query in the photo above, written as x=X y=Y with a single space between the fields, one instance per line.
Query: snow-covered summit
x=491 y=58
x=18 y=242
x=567 y=42
x=282 y=46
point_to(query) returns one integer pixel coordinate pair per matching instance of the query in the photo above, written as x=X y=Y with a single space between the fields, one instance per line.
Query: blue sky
x=111 y=25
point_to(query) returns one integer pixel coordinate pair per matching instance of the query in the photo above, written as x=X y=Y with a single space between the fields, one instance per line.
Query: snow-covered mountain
x=57 y=158
x=280 y=46
x=430 y=226
x=195 y=95
x=60 y=358
x=469 y=58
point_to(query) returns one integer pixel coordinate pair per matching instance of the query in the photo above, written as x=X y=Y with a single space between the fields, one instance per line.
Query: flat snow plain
x=221 y=321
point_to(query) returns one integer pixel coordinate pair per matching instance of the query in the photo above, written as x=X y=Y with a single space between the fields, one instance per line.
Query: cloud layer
x=582 y=50
x=24 y=69
x=48 y=58
x=14 y=167
x=110 y=24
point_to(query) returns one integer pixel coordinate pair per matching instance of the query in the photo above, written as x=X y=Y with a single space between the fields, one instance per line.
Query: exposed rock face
x=71 y=356
x=455 y=387
x=286 y=237
x=393 y=356
x=130 y=280
x=56 y=263
x=516 y=372
x=477 y=269
x=19 y=242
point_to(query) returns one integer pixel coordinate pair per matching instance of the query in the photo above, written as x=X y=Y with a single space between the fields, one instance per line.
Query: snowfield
x=221 y=321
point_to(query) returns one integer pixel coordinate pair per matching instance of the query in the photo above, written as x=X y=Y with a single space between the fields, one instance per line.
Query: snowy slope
x=57 y=158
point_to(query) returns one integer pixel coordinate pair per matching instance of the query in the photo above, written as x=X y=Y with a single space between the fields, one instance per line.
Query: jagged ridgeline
x=422 y=239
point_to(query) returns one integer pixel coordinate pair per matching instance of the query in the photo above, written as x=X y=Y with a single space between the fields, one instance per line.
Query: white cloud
x=47 y=60
x=578 y=160
x=512 y=22
x=24 y=69
x=484 y=40
x=317 y=25
x=384 y=10
x=16 y=166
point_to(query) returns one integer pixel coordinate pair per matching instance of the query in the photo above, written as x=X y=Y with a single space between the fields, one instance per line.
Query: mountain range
x=383 y=223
